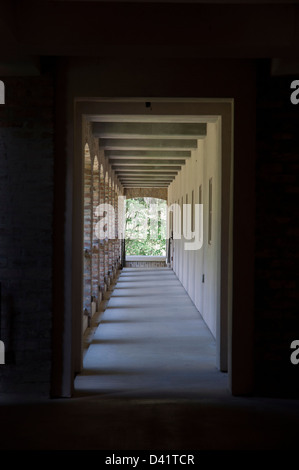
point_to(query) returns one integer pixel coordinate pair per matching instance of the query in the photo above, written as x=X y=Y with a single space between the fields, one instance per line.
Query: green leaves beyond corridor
x=146 y=226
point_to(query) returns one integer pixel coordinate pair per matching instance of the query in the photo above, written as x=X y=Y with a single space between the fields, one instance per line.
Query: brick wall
x=87 y=231
x=277 y=230
x=95 y=241
x=26 y=200
x=160 y=193
x=100 y=261
x=102 y=242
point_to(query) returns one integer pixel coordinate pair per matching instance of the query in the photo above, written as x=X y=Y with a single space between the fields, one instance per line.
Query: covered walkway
x=151 y=342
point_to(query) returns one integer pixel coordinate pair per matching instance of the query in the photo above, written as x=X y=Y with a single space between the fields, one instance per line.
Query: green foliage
x=147 y=247
x=145 y=226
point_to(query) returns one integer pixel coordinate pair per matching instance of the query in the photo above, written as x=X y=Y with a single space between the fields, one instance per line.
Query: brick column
x=106 y=245
x=114 y=228
x=87 y=231
x=110 y=241
x=102 y=241
x=116 y=241
x=95 y=241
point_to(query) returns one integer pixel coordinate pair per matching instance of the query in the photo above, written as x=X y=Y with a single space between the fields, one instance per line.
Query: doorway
x=187 y=111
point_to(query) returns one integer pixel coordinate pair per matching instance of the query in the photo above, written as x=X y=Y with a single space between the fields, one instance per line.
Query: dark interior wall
x=277 y=229
x=195 y=78
x=27 y=142
x=26 y=199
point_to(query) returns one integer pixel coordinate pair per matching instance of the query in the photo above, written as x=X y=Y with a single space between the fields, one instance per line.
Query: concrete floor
x=151 y=342
x=150 y=382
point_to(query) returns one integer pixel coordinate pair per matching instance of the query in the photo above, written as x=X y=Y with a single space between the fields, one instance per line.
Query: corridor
x=151 y=342
x=150 y=382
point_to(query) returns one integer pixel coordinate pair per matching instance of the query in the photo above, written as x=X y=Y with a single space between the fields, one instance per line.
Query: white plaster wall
x=198 y=254
x=205 y=163
x=211 y=252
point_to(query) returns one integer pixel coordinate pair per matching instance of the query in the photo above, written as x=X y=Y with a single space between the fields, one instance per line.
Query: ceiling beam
x=147 y=176
x=145 y=162
x=154 y=154
x=145 y=168
x=153 y=130
x=145 y=180
x=151 y=182
x=141 y=173
x=147 y=144
x=146 y=185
